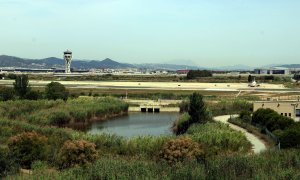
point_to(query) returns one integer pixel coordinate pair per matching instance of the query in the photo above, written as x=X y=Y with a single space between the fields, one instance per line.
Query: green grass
x=43 y=112
x=268 y=165
x=219 y=139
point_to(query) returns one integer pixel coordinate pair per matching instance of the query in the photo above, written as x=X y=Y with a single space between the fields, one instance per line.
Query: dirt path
x=257 y=144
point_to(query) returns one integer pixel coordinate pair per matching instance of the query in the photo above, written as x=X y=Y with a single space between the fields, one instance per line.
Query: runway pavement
x=222 y=87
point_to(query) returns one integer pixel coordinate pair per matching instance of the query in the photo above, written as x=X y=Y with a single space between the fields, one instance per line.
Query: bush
x=32 y=95
x=184 y=106
x=180 y=149
x=7 y=94
x=11 y=76
x=245 y=116
x=7 y=163
x=28 y=147
x=271 y=119
x=55 y=90
x=59 y=118
x=76 y=153
x=290 y=137
x=181 y=125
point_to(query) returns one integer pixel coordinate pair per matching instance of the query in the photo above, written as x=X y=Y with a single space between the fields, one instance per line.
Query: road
x=257 y=144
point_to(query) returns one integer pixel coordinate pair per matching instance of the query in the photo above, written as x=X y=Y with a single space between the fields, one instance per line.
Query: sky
x=208 y=33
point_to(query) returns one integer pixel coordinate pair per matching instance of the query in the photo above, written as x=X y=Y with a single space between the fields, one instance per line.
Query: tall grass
x=219 y=138
x=268 y=165
x=225 y=107
x=43 y=112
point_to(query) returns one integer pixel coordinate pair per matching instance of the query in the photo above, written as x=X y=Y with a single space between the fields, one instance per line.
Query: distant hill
x=53 y=62
x=290 y=65
x=166 y=66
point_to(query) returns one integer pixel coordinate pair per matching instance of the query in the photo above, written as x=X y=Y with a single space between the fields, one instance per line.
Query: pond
x=137 y=124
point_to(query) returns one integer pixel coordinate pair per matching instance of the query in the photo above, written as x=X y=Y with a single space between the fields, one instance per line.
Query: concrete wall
x=162 y=109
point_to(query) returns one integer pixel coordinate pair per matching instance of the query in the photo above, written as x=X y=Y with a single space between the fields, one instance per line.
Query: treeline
x=22 y=90
x=193 y=74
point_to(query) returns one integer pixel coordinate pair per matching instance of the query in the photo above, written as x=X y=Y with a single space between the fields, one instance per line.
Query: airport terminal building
x=273 y=71
x=285 y=108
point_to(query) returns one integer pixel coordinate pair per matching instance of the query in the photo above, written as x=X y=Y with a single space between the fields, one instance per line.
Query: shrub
x=184 y=106
x=11 y=76
x=290 y=137
x=7 y=163
x=271 y=119
x=56 y=90
x=180 y=149
x=76 y=153
x=28 y=147
x=59 y=118
x=32 y=95
x=245 y=116
x=7 y=94
x=181 y=125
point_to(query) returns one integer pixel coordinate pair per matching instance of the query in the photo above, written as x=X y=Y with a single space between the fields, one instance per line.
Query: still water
x=136 y=124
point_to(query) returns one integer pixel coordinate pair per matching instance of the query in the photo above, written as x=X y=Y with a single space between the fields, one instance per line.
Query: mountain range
x=53 y=62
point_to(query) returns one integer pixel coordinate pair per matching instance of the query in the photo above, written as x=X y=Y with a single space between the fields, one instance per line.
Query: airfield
x=223 y=87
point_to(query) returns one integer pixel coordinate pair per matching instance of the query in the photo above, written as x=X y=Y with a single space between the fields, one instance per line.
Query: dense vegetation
x=32 y=136
x=59 y=113
x=193 y=74
x=197 y=113
x=285 y=128
x=22 y=90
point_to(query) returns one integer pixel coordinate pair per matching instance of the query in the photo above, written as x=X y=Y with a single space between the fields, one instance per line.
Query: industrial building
x=285 y=108
x=274 y=70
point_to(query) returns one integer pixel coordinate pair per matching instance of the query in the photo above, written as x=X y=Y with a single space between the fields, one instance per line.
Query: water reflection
x=136 y=124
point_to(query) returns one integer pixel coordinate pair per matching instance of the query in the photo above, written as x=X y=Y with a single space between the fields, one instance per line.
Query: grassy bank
x=60 y=113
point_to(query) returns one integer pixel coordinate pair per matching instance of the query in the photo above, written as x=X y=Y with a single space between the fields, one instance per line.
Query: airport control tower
x=68 y=59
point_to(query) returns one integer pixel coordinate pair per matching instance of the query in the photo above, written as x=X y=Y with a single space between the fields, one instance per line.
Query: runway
x=172 y=86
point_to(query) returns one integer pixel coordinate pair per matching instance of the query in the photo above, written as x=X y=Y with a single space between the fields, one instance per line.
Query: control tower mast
x=68 y=60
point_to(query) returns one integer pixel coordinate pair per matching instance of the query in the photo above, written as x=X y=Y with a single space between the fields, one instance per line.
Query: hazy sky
x=210 y=33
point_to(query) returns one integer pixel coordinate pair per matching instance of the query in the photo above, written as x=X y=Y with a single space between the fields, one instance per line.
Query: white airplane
x=253 y=84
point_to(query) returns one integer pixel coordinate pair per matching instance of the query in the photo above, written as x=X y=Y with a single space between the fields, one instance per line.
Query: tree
x=193 y=74
x=21 y=85
x=56 y=90
x=198 y=110
x=249 y=79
